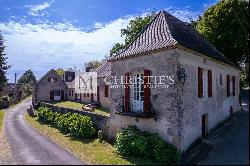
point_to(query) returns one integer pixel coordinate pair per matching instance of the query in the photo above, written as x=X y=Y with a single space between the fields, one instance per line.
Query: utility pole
x=16 y=74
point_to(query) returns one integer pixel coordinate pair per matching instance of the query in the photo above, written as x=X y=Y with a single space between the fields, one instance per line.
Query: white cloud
x=184 y=14
x=45 y=46
x=36 y=10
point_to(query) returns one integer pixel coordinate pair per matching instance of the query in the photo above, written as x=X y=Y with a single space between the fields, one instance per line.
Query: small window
x=52 y=79
x=87 y=94
x=106 y=91
x=84 y=95
x=71 y=92
x=221 y=80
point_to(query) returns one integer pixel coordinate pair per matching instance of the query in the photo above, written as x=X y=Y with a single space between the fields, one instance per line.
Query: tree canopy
x=3 y=64
x=27 y=78
x=226 y=26
x=60 y=71
x=131 y=31
x=92 y=64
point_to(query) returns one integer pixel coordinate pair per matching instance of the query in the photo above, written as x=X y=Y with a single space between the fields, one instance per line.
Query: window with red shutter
x=233 y=79
x=228 y=85
x=146 y=104
x=210 y=83
x=200 y=82
x=106 y=91
x=126 y=99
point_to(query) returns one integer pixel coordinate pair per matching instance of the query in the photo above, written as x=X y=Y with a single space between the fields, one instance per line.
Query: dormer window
x=52 y=79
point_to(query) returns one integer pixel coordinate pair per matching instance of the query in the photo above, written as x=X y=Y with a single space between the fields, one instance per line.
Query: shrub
x=63 y=122
x=74 y=124
x=81 y=126
x=132 y=141
x=45 y=115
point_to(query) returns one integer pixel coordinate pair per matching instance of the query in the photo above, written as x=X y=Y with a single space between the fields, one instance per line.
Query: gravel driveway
x=29 y=146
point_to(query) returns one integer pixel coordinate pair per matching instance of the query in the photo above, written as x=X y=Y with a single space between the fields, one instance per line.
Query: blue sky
x=41 y=34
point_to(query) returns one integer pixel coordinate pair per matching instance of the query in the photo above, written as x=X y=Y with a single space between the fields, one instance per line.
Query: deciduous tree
x=131 y=31
x=3 y=64
x=226 y=26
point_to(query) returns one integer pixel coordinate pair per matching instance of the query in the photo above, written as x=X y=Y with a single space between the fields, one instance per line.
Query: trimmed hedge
x=131 y=141
x=72 y=123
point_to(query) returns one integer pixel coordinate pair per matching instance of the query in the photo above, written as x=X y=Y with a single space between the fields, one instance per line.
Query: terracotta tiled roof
x=104 y=70
x=165 y=31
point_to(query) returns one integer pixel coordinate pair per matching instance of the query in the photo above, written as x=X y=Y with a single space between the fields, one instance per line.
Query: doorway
x=205 y=126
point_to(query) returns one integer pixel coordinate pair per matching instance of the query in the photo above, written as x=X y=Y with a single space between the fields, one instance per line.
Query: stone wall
x=105 y=101
x=101 y=122
x=71 y=98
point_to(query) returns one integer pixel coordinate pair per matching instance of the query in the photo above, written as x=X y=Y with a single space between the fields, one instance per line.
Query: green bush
x=63 y=122
x=81 y=126
x=132 y=141
x=45 y=115
x=74 y=124
x=4 y=98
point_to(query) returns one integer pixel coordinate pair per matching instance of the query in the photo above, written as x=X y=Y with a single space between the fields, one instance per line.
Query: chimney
x=87 y=69
x=69 y=76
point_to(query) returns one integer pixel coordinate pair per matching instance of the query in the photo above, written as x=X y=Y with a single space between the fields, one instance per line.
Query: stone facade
x=105 y=101
x=44 y=88
x=178 y=110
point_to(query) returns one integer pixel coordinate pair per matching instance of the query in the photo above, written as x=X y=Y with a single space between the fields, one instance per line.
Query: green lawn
x=89 y=150
x=78 y=106
x=1 y=120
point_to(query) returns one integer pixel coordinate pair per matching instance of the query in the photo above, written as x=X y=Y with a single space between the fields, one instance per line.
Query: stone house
x=103 y=90
x=69 y=79
x=71 y=95
x=187 y=87
x=50 y=87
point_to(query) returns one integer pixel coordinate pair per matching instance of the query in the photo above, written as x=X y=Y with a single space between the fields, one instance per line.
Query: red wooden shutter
x=92 y=97
x=200 y=82
x=51 y=95
x=210 y=83
x=228 y=85
x=146 y=103
x=126 y=102
x=62 y=95
x=106 y=91
x=98 y=94
x=233 y=79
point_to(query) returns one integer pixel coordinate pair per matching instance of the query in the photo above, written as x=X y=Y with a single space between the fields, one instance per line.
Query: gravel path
x=29 y=146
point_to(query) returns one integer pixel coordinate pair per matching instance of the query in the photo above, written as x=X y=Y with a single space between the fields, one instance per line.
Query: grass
x=1 y=120
x=78 y=106
x=89 y=150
